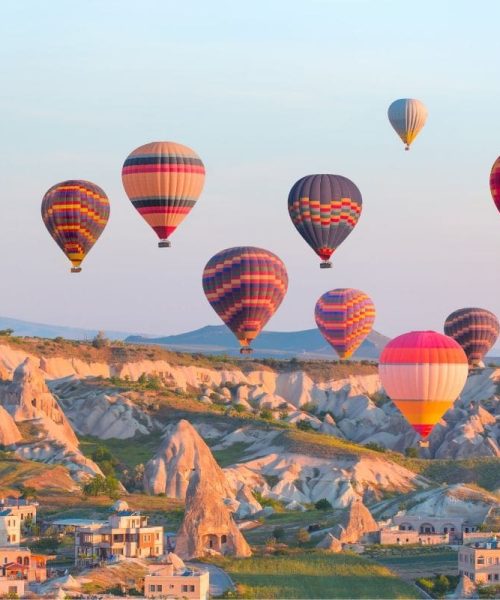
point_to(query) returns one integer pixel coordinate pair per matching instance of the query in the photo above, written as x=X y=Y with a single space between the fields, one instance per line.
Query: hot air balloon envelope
x=245 y=286
x=163 y=181
x=475 y=329
x=345 y=317
x=407 y=117
x=495 y=182
x=324 y=209
x=423 y=372
x=75 y=213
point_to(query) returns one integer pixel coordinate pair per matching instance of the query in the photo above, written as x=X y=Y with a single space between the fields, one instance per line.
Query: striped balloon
x=345 y=317
x=423 y=372
x=475 y=329
x=75 y=213
x=245 y=287
x=324 y=210
x=495 y=182
x=407 y=117
x=163 y=181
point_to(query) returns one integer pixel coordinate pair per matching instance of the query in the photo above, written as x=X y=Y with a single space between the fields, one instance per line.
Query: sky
x=265 y=92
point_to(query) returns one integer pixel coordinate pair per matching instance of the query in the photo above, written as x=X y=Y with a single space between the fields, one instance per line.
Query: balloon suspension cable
x=163 y=244
x=325 y=265
x=246 y=350
x=76 y=269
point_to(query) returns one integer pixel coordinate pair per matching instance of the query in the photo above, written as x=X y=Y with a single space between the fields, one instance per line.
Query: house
x=165 y=581
x=454 y=526
x=404 y=537
x=20 y=562
x=22 y=508
x=11 y=588
x=125 y=534
x=480 y=562
x=10 y=528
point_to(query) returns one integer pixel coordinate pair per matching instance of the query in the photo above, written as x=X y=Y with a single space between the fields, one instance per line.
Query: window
x=14 y=538
x=159 y=588
x=480 y=560
x=13 y=589
x=152 y=588
x=157 y=536
x=191 y=588
x=184 y=588
x=223 y=539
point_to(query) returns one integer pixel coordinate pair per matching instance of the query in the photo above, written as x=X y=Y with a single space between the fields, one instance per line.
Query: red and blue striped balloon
x=245 y=286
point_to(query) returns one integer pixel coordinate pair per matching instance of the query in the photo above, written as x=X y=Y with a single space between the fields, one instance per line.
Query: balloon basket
x=407 y=148
x=325 y=265
x=76 y=269
x=423 y=443
x=163 y=244
x=246 y=350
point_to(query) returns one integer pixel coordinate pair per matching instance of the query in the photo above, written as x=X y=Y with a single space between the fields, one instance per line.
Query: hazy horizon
x=265 y=94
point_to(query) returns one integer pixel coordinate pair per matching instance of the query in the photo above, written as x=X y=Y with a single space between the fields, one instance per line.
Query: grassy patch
x=129 y=452
x=314 y=574
x=230 y=455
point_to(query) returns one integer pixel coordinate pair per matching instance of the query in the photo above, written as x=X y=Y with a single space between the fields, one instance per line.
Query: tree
x=303 y=536
x=102 y=486
x=323 y=504
x=266 y=414
x=100 y=340
x=6 y=332
x=28 y=492
x=304 y=425
x=279 y=533
x=441 y=585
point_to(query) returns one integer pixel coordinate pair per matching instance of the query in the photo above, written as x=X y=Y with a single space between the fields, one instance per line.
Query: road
x=219 y=579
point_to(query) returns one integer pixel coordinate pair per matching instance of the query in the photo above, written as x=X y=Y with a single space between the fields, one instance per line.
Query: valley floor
x=314 y=574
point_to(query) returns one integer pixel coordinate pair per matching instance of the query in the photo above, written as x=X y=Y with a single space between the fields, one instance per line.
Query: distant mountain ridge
x=217 y=339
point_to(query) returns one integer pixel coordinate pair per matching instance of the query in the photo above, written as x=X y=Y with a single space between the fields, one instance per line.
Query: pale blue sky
x=265 y=92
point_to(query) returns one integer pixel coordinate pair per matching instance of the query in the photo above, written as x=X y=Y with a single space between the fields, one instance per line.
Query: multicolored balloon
x=75 y=213
x=324 y=210
x=495 y=182
x=163 y=181
x=423 y=372
x=345 y=317
x=245 y=287
x=407 y=117
x=475 y=329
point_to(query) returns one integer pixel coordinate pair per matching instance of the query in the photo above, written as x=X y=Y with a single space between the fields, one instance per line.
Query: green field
x=410 y=563
x=314 y=574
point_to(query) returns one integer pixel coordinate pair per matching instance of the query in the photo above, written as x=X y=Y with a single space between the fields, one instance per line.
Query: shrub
x=239 y=408
x=376 y=447
x=303 y=536
x=309 y=407
x=323 y=504
x=411 y=452
x=102 y=486
x=6 y=332
x=279 y=533
x=304 y=425
x=266 y=414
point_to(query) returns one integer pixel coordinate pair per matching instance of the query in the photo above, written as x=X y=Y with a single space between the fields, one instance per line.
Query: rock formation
x=28 y=398
x=52 y=440
x=9 y=433
x=357 y=524
x=182 y=450
x=208 y=527
x=330 y=543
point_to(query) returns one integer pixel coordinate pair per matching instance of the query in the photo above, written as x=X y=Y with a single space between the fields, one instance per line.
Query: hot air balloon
x=475 y=329
x=423 y=372
x=324 y=210
x=75 y=213
x=407 y=116
x=163 y=181
x=495 y=182
x=345 y=317
x=245 y=287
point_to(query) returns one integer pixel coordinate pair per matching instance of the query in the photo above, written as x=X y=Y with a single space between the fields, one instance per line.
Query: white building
x=10 y=528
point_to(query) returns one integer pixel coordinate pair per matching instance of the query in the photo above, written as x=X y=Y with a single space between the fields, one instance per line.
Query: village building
x=454 y=526
x=11 y=588
x=126 y=534
x=22 y=508
x=403 y=537
x=166 y=581
x=10 y=528
x=21 y=563
x=480 y=562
